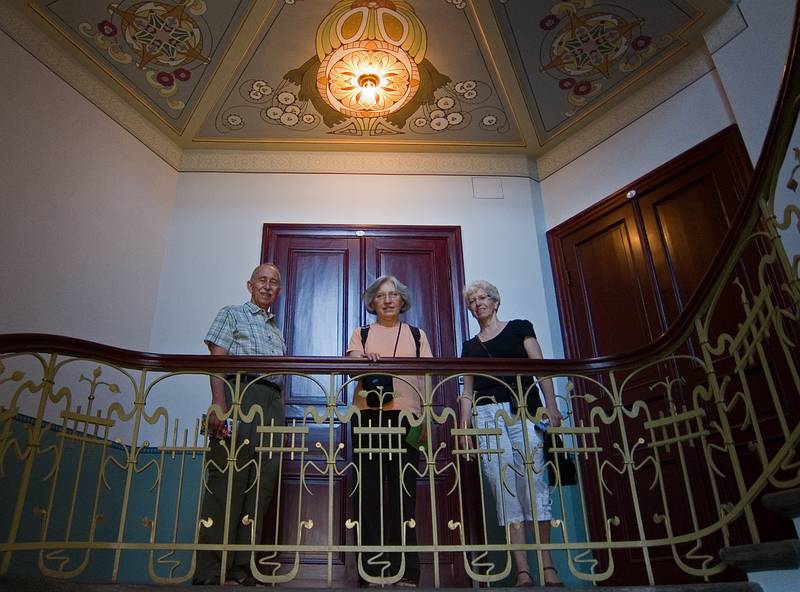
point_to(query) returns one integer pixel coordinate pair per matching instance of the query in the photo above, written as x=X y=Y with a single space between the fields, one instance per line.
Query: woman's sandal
x=552 y=584
x=528 y=580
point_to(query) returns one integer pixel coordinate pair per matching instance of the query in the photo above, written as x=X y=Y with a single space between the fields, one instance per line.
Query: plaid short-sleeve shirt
x=246 y=330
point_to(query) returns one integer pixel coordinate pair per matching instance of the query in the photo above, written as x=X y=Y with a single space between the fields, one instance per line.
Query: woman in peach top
x=385 y=479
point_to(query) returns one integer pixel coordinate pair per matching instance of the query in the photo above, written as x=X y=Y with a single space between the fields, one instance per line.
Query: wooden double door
x=625 y=269
x=325 y=270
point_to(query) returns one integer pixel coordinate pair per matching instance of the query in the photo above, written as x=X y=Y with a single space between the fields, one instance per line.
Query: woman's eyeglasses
x=382 y=296
x=478 y=300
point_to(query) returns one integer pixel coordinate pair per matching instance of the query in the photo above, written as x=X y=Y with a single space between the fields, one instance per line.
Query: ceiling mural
x=161 y=51
x=365 y=69
x=537 y=82
x=571 y=55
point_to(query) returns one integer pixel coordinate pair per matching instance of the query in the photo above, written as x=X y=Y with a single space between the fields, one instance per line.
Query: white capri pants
x=506 y=472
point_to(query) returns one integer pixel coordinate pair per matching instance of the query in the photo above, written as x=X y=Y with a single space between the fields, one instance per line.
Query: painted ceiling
x=506 y=76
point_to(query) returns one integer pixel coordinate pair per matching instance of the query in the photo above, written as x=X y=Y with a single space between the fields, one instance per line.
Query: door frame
x=452 y=234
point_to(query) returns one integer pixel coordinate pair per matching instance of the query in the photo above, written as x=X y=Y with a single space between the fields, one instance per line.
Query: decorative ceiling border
x=76 y=75
x=552 y=135
x=507 y=165
x=126 y=85
x=680 y=76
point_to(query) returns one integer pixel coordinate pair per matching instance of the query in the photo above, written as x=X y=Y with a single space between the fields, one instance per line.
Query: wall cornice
x=511 y=165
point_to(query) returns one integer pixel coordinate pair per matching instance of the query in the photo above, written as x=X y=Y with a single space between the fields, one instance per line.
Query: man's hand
x=214 y=421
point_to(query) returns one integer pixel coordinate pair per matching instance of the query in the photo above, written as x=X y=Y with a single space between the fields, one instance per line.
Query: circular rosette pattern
x=161 y=33
x=368 y=79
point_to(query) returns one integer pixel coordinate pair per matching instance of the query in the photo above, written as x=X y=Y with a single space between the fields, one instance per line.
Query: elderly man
x=241 y=330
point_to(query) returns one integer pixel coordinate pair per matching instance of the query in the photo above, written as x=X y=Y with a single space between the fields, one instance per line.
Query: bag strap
x=414 y=332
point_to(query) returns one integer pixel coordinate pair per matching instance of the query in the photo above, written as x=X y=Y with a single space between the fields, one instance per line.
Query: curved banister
x=59 y=344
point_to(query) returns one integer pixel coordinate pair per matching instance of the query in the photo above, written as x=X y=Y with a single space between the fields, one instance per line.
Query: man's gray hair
x=490 y=289
x=372 y=290
x=268 y=264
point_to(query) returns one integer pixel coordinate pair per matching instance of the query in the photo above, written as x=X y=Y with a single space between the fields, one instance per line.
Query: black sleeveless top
x=509 y=343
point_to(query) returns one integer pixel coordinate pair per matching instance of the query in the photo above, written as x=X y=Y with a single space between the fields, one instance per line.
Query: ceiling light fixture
x=369 y=51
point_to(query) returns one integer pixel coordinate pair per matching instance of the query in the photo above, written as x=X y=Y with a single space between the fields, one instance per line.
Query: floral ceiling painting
x=372 y=69
x=162 y=52
x=548 y=79
x=572 y=55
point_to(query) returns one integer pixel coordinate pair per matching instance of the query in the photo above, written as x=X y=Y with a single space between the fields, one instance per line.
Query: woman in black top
x=487 y=402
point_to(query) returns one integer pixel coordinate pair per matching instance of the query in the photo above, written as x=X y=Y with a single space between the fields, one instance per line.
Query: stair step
x=783 y=502
x=764 y=556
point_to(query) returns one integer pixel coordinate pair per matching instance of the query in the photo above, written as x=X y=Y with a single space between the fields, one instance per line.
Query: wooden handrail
x=80 y=348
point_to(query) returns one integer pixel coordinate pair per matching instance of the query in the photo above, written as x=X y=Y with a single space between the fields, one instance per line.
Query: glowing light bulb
x=369 y=80
x=369 y=83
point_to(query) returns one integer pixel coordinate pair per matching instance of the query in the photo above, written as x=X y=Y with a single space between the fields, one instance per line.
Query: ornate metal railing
x=103 y=466
x=103 y=462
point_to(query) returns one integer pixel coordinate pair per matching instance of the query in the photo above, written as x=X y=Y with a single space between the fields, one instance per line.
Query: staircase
x=775 y=566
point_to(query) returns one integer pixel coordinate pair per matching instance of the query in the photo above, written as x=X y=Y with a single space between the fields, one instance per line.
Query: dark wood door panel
x=321 y=276
x=681 y=240
x=432 y=293
x=609 y=289
x=686 y=220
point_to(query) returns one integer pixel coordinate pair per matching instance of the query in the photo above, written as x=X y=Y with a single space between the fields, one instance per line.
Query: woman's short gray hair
x=490 y=289
x=372 y=290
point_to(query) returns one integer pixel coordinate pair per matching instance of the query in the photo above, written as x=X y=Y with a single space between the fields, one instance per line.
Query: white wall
x=751 y=66
x=215 y=237
x=215 y=241
x=84 y=210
